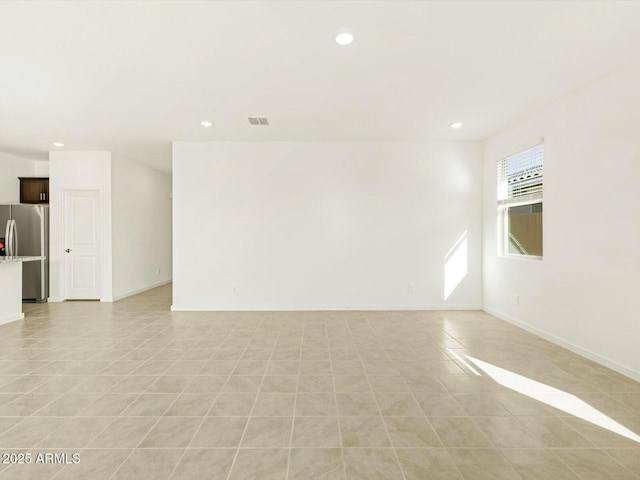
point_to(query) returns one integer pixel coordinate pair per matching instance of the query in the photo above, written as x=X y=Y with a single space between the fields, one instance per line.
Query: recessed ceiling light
x=206 y=124
x=58 y=144
x=344 y=38
x=456 y=125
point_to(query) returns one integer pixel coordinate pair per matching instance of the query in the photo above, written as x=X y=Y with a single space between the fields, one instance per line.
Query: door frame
x=100 y=236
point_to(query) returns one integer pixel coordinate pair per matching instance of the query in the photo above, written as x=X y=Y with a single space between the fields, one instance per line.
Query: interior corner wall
x=584 y=293
x=326 y=225
x=78 y=170
x=141 y=207
x=10 y=169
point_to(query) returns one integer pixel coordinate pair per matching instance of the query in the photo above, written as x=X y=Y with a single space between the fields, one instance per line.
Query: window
x=520 y=202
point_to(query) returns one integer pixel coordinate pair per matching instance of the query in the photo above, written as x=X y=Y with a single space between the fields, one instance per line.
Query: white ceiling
x=130 y=77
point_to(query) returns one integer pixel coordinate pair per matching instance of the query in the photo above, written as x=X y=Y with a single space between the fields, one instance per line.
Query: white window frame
x=503 y=208
x=503 y=219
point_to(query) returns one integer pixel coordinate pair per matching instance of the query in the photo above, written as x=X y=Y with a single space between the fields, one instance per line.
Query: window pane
x=521 y=174
x=524 y=229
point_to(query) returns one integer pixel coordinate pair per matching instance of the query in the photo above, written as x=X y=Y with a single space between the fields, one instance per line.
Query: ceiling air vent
x=258 y=120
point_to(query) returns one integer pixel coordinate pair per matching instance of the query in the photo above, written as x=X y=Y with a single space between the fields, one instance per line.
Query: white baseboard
x=118 y=297
x=140 y=290
x=607 y=362
x=11 y=318
x=314 y=308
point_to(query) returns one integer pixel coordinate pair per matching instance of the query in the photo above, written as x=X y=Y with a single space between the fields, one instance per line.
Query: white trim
x=532 y=199
x=140 y=290
x=607 y=362
x=517 y=256
x=503 y=228
x=315 y=308
x=11 y=318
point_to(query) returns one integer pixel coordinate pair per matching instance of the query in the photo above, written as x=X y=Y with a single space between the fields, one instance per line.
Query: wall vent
x=258 y=121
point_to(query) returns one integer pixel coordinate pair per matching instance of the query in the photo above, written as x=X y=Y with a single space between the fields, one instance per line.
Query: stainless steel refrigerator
x=25 y=229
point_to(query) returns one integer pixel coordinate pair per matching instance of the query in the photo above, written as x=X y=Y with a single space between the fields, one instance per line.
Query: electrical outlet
x=158 y=271
x=234 y=289
x=516 y=300
x=410 y=289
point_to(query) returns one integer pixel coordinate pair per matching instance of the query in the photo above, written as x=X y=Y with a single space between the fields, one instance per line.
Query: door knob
x=68 y=250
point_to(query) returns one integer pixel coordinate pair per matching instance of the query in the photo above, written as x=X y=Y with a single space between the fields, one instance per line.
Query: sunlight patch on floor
x=554 y=397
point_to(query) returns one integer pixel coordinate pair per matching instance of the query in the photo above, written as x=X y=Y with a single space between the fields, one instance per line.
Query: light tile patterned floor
x=142 y=393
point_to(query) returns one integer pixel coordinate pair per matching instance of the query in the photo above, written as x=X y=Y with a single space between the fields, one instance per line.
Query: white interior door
x=81 y=245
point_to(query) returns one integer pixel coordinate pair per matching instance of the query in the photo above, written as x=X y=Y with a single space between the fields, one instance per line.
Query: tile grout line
x=233 y=463
x=135 y=400
x=606 y=451
x=160 y=416
x=335 y=396
x=115 y=416
x=473 y=421
x=517 y=418
x=446 y=448
x=375 y=398
x=571 y=469
x=295 y=401
x=206 y=415
x=70 y=417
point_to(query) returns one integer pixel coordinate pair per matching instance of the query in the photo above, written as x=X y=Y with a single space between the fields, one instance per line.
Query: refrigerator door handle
x=11 y=244
x=15 y=238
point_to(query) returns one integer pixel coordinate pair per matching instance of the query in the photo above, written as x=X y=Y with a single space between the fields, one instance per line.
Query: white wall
x=10 y=169
x=584 y=294
x=41 y=168
x=78 y=170
x=141 y=207
x=324 y=225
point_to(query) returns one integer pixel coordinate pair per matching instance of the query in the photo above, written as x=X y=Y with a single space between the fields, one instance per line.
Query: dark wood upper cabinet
x=34 y=190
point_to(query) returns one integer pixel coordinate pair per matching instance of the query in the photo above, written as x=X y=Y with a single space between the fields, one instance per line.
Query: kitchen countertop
x=19 y=259
x=11 y=291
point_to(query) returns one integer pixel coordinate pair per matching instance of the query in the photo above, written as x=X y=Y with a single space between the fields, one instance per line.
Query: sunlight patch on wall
x=455 y=265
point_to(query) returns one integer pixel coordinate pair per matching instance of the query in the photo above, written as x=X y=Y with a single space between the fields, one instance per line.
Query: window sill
x=521 y=257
